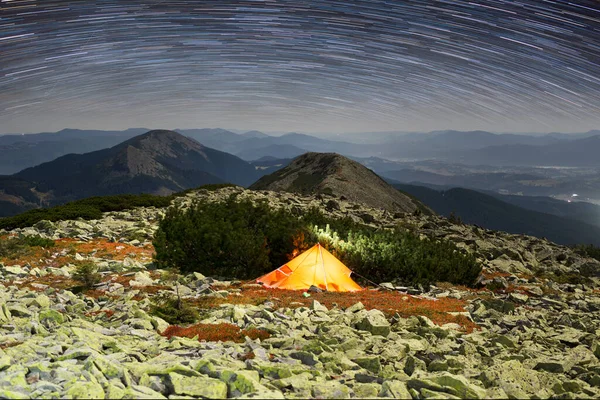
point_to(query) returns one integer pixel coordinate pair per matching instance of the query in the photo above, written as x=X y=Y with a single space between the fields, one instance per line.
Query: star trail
x=500 y=65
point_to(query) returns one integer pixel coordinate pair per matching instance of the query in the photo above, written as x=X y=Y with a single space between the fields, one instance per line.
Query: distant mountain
x=280 y=150
x=255 y=135
x=267 y=165
x=578 y=210
x=22 y=151
x=158 y=162
x=487 y=181
x=573 y=153
x=16 y=195
x=489 y=212
x=451 y=145
x=332 y=174
x=573 y=136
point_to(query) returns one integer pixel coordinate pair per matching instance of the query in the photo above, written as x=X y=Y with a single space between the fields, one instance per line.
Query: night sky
x=324 y=66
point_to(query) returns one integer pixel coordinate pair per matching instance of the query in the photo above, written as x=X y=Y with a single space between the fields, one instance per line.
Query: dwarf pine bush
x=235 y=238
x=241 y=239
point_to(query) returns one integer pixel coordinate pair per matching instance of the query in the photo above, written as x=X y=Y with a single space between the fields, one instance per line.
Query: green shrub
x=19 y=246
x=172 y=309
x=588 y=251
x=239 y=239
x=235 y=239
x=388 y=255
x=87 y=274
x=38 y=241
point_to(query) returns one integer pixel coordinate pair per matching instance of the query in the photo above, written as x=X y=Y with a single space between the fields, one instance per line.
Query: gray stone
x=305 y=357
x=198 y=386
x=375 y=322
x=370 y=363
x=330 y=390
x=395 y=389
x=85 y=390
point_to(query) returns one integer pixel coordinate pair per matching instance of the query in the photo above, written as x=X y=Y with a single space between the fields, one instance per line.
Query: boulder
x=141 y=278
x=395 y=390
x=305 y=357
x=460 y=385
x=355 y=307
x=42 y=301
x=330 y=390
x=85 y=390
x=375 y=322
x=515 y=380
x=370 y=363
x=316 y=306
x=50 y=318
x=198 y=386
x=366 y=390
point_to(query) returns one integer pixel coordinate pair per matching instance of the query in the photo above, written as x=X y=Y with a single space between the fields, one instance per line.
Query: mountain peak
x=159 y=161
x=333 y=174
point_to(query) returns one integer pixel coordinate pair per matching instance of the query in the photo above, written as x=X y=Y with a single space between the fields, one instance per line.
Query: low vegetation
x=588 y=251
x=173 y=309
x=87 y=274
x=391 y=303
x=235 y=239
x=13 y=247
x=241 y=239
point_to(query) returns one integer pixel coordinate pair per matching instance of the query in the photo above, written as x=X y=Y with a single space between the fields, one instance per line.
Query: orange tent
x=316 y=266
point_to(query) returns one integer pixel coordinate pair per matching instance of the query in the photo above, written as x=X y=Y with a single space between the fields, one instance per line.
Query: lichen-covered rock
x=515 y=380
x=42 y=301
x=330 y=390
x=370 y=363
x=375 y=322
x=394 y=389
x=460 y=385
x=198 y=386
x=85 y=390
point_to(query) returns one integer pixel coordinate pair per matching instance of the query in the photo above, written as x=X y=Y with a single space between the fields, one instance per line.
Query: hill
x=330 y=173
x=157 y=162
x=477 y=208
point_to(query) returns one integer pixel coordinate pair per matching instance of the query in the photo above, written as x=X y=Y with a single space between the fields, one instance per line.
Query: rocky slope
x=314 y=173
x=523 y=335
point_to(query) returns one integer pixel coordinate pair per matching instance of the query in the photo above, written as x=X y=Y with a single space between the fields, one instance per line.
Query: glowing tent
x=316 y=266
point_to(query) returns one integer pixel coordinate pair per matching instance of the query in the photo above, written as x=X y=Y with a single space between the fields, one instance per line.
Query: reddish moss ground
x=215 y=332
x=390 y=303
x=102 y=248
x=63 y=253
x=43 y=257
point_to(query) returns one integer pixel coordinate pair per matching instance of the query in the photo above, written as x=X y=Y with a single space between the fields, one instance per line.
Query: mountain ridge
x=474 y=207
x=157 y=162
x=333 y=174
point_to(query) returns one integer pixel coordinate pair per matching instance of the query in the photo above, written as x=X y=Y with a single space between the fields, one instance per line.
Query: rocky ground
x=523 y=335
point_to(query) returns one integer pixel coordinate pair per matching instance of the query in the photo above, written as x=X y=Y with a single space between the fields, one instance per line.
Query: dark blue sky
x=500 y=65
